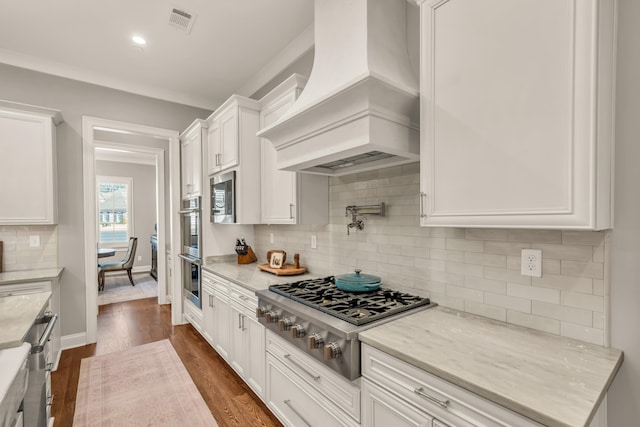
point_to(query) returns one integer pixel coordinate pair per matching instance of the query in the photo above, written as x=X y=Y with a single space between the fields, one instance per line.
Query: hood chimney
x=359 y=110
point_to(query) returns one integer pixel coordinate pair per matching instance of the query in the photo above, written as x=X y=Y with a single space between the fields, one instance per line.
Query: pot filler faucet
x=354 y=210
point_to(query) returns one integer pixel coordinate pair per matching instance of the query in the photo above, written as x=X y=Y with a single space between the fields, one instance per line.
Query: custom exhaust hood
x=359 y=110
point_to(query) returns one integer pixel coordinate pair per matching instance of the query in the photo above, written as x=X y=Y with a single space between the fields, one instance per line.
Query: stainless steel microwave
x=223 y=198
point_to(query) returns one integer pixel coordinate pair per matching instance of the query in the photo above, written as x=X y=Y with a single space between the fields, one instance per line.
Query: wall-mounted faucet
x=354 y=210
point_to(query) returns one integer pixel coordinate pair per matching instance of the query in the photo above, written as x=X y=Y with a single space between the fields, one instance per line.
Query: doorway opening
x=163 y=147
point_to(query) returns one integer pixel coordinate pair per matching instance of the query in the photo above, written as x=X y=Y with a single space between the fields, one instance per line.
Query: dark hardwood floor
x=132 y=323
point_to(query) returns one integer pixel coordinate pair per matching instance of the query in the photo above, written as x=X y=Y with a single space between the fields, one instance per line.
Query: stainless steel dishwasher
x=38 y=398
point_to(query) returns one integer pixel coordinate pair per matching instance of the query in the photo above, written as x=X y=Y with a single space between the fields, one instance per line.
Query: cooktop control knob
x=284 y=324
x=271 y=317
x=260 y=311
x=332 y=351
x=297 y=331
x=314 y=341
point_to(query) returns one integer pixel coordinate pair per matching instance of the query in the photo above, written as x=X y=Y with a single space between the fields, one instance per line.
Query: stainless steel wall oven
x=191 y=255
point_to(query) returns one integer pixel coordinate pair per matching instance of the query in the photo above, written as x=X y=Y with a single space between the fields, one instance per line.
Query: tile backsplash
x=472 y=270
x=17 y=253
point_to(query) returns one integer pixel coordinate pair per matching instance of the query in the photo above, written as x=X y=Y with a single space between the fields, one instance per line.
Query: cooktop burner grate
x=355 y=308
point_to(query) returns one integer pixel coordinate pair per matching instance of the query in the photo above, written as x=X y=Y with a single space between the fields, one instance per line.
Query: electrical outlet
x=314 y=241
x=34 y=241
x=271 y=238
x=531 y=263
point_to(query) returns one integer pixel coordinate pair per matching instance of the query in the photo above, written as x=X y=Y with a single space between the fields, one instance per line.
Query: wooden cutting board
x=285 y=270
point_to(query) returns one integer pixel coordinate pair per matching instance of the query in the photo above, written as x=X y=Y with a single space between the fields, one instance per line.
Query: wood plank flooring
x=132 y=323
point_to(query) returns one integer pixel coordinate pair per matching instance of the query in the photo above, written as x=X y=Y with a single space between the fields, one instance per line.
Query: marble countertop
x=249 y=276
x=17 y=313
x=19 y=276
x=554 y=380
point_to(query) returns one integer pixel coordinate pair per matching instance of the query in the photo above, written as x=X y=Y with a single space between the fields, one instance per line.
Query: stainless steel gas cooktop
x=355 y=308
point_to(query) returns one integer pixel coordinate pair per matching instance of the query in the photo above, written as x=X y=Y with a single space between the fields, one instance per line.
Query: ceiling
x=234 y=46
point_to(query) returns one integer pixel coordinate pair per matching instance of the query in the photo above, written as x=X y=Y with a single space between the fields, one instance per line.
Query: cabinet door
x=238 y=352
x=229 y=139
x=513 y=134
x=255 y=349
x=382 y=409
x=191 y=162
x=223 y=340
x=30 y=168
x=208 y=314
x=213 y=145
x=278 y=187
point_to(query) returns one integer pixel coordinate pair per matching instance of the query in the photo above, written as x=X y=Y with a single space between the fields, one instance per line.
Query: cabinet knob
x=271 y=317
x=284 y=324
x=314 y=341
x=332 y=351
x=297 y=331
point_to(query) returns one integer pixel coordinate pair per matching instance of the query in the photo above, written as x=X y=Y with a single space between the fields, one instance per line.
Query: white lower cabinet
x=231 y=328
x=192 y=314
x=397 y=391
x=247 y=338
x=303 y=392
x=380 y=408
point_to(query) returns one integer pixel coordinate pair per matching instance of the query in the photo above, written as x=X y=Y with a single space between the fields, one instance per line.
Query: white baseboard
x=73 y=340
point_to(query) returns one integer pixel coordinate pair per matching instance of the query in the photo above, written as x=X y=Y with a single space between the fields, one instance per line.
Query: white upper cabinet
x=517 y=113
x=28 y=164
x=288 y=197
x=191 y=158
x=229 y=126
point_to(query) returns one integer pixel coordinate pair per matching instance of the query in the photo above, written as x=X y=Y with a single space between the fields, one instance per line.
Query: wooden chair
x=126 y=264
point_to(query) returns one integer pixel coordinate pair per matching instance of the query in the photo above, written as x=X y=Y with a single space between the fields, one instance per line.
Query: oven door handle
x=196 y=261
x=45 y=335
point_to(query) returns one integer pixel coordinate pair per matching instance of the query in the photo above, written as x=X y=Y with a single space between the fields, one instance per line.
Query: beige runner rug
x=145 y=385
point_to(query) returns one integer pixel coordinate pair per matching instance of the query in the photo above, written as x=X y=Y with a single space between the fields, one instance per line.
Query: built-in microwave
x=223 y=198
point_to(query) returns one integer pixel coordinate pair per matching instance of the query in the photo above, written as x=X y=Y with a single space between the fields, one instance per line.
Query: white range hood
x=359 y=110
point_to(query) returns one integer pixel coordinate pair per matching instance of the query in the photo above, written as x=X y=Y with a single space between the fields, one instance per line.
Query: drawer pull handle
x=442 y=403
x=288 y=403
x=288 y=357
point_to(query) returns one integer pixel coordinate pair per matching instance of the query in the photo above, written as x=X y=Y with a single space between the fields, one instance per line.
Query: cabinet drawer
x=193 y=315
x=244 y=297
x=295 y=404
x=423 y=390
x=344 y=394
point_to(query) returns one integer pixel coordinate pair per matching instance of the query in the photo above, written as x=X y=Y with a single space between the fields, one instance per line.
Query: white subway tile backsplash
x=582 y=333
x=489 y=260
x=473 y=270
x=588 y=302
x=535 y=236
x=582 y=269
x=532 y=321
x=551 y=296
x=510 y=303
x=19 y=255
x=559 y=312
x=484 y=310
x=566 y=252
x=465 y=245
x=485 y=234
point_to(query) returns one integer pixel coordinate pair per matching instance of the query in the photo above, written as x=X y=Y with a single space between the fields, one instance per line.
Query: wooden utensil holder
x=248 y=258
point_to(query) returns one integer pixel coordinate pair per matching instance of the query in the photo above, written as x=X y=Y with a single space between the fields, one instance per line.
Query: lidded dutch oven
x=357 y=282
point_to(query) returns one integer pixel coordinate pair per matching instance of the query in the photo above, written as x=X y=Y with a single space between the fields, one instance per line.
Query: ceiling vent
x=182 y=19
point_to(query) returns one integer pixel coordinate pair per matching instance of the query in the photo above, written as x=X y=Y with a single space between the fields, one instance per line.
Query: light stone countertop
x=17 y=313
x=249 y=276
x=19 y=276
x=554 y=380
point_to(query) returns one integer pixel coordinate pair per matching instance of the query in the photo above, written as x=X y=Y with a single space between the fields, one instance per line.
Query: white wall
x=144 y=205
x=624 y=396
x=76 y=99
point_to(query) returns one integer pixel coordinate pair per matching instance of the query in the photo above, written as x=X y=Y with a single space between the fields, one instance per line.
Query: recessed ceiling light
x=139 y=40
